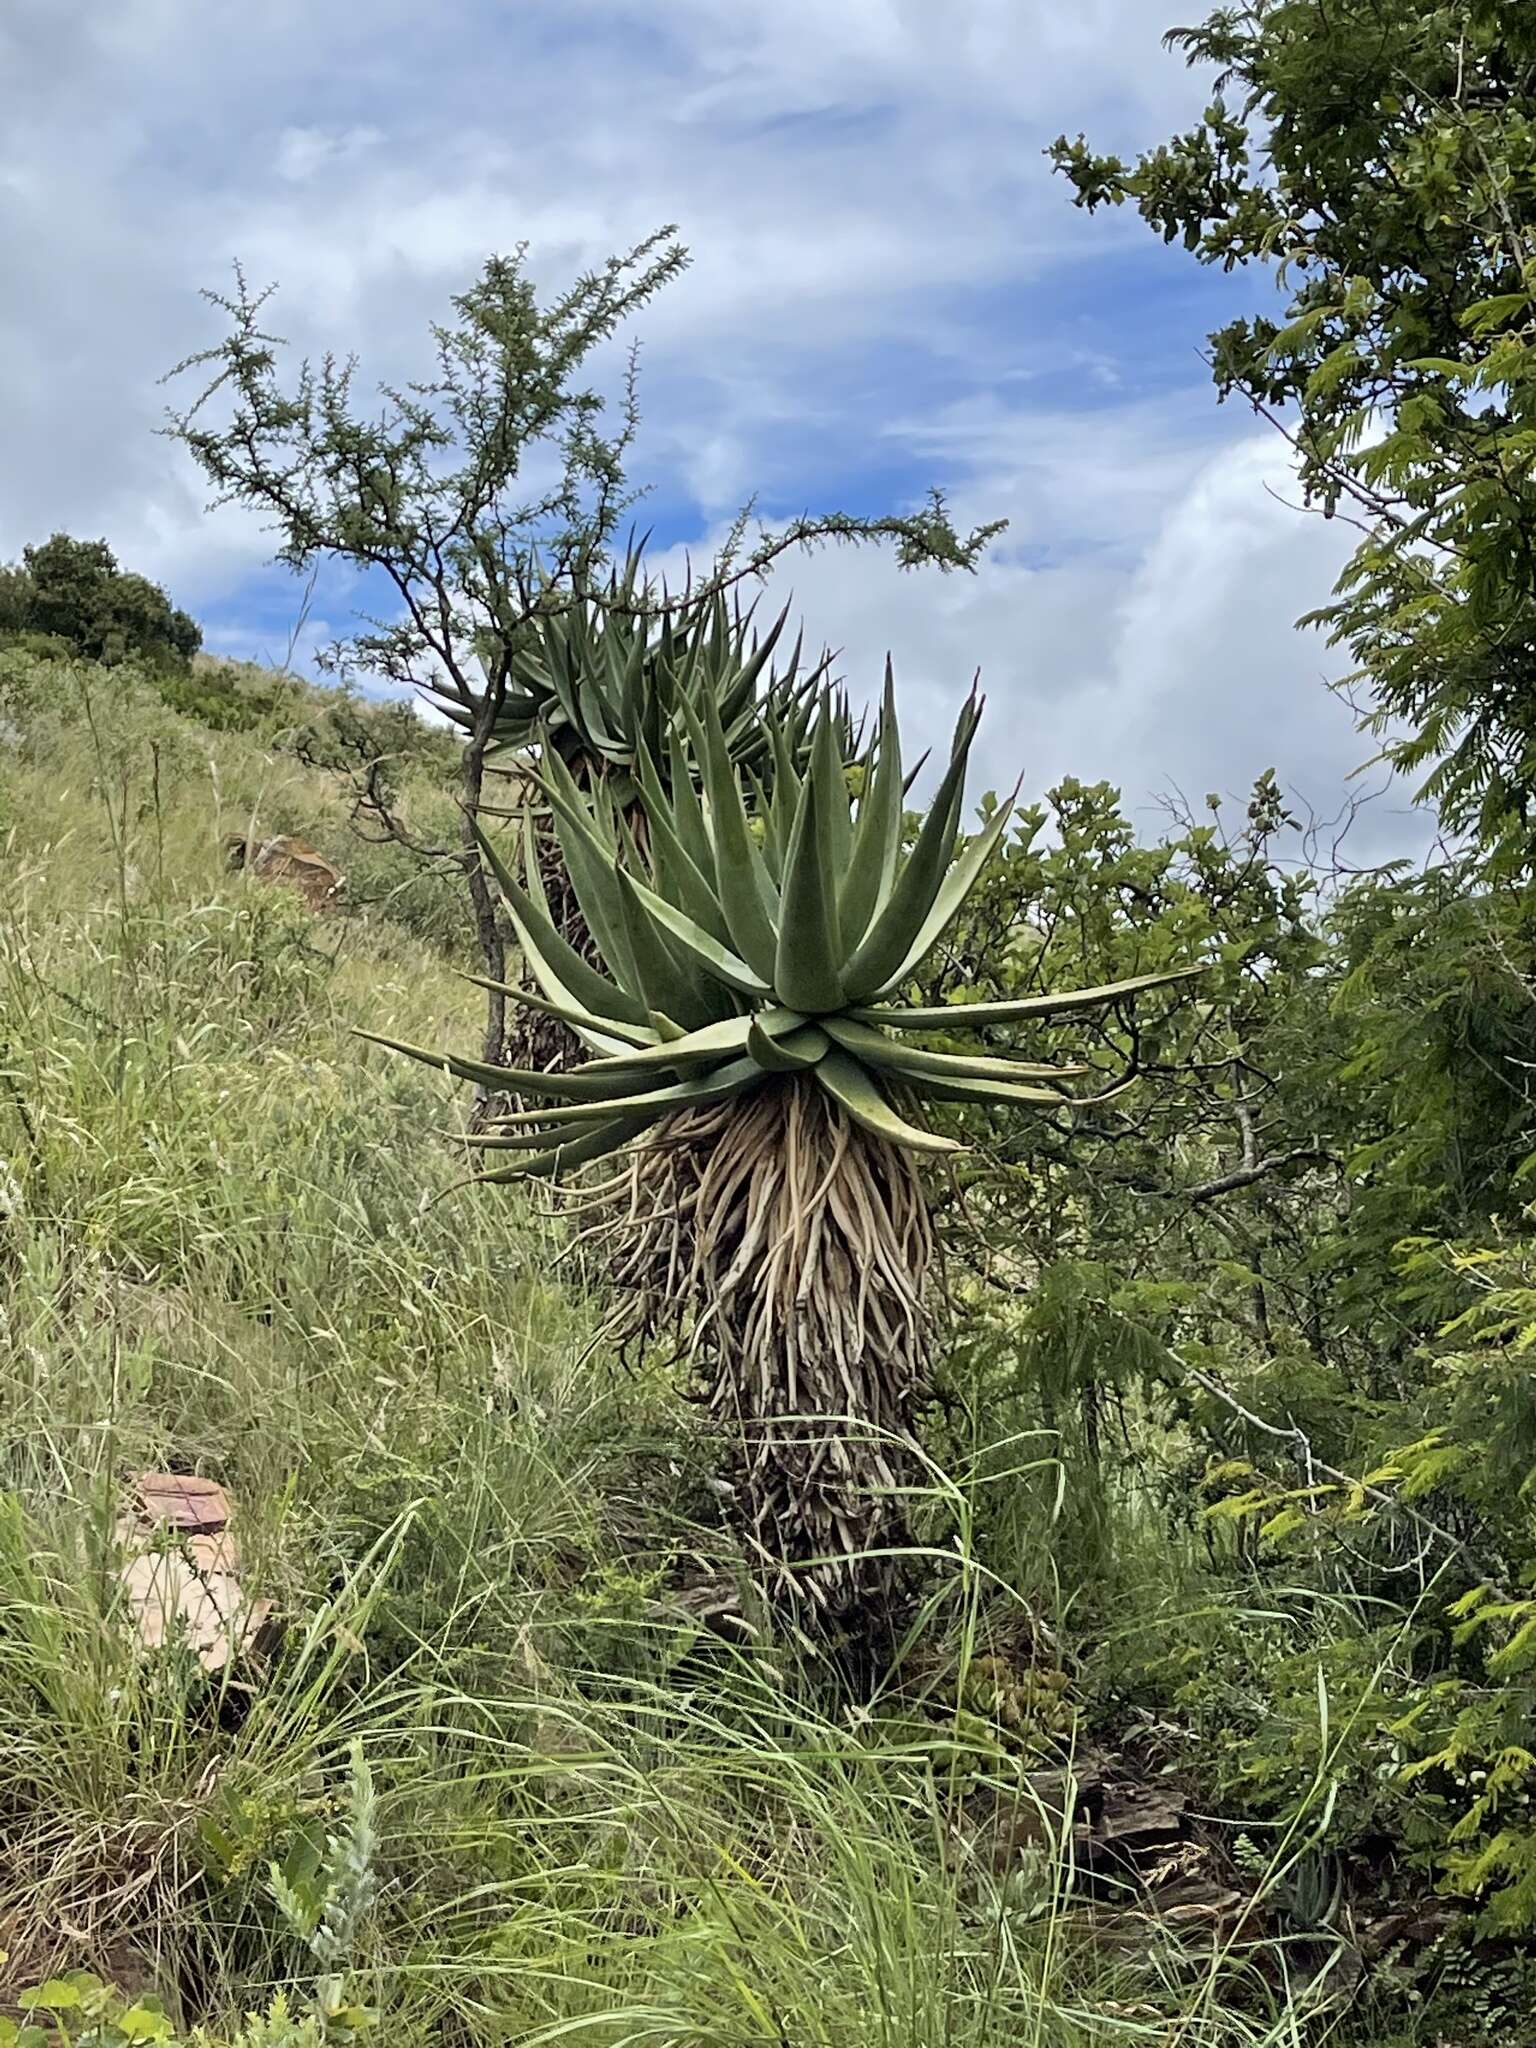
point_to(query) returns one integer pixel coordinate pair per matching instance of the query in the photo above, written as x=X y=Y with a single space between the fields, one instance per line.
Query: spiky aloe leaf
x=806 y=972
x=914 y=1063
x=603 y=1036
x=560 y=969
x=848 y=1083
x=1008 y=1094
x=678 y=875
x=588 y=844
x=779 y=818
x=747 y=896
x=565 y=1158
x=881 y=952
x=599 y=673
x=673 y=985
x=794 y=1053
x=954 y=890
x=707 y=1046
x=681 y=801
x=1018 y=1009
x=714 y=1025
x=689 y=1093
x=717 y=961
x=871 y=872
x=588 y=1087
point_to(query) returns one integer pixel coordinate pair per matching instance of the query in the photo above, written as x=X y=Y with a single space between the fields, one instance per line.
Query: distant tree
x=1380 y=156
x=16 y=596
x=75 y=590
x=481 y=498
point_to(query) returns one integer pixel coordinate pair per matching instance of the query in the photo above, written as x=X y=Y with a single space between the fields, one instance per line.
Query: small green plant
x=326 y=1894
x=78 y=2010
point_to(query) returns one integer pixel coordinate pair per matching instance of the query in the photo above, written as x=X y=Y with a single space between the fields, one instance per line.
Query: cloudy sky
x=888 y=290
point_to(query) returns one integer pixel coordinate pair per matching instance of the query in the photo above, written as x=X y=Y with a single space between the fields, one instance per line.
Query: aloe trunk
x=807 y=1343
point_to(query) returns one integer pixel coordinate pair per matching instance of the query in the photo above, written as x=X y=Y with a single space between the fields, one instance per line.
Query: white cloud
x=303 y=153
x=881 y=260
x=1163 y=661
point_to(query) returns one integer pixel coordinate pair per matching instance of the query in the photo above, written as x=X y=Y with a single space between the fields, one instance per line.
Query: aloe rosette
x=766 y=935
x=599 y=680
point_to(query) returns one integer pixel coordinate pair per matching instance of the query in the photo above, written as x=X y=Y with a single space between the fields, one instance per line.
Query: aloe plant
x=595 y=683
x=751 y=1053
x=599 y=679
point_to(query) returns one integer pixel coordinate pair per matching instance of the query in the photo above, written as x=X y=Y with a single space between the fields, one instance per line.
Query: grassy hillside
x=557 y=1807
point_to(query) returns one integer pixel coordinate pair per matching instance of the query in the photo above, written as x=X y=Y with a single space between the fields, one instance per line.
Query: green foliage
x=79 y=2011
x=587 y=1813
x=227 y=699
x=488 y=497
x=1381 y=155
x=325 y=1893
x=589 y=1807
x=73 y=591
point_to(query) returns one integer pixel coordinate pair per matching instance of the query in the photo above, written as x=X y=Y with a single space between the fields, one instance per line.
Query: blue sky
x=888 y=290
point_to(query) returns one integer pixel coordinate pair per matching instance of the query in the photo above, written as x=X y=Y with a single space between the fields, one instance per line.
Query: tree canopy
x=1379 y=158
x=74 y=591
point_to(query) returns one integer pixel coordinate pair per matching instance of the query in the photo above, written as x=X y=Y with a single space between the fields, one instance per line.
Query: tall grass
x=588 y=1819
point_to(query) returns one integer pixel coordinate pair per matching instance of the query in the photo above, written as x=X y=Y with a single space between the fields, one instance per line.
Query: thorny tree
x=476 y=500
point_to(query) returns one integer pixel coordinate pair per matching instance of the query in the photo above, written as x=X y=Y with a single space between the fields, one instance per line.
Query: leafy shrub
x=227 y=697
x=74 y=589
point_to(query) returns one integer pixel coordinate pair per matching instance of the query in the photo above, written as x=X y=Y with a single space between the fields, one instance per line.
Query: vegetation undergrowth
x=498 y=1778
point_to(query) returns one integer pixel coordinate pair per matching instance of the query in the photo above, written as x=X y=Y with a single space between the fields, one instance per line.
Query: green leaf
x=695 y=1048
x=668 y=979
x=710 y=1086
x=793 y=1053
x=685 y=810
x=565 y=1158
x=805 y=974
x=975 y=1016
x=678 y=875
x=718 y=961
x=559 y=968
x=852 y=1088
x=600 y=1033
x=746 y=892
x=866 y=886
x=784 y=802
x=142 y=2023
x=593 y=868
x=57 y=1995
x=916 y=1064
x=889 y=939
x=576 y=1083
x=1486 y=314
x=955 y=888
x=1002 y=1094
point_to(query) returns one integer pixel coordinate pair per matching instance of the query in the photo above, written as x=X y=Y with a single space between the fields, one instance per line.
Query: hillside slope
x=495 y=1782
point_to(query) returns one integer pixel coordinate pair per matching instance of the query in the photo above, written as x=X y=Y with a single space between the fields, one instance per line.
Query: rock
x=1137 y=1825
x=181 y=1572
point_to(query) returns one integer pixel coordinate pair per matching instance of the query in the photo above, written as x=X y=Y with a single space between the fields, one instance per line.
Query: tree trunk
x=789 y=1247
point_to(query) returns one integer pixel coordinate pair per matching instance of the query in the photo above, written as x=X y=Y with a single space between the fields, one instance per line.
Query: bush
x=75 y=591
